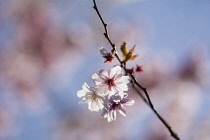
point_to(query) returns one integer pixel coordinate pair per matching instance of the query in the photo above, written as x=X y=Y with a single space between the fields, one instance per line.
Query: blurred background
x=49 y=48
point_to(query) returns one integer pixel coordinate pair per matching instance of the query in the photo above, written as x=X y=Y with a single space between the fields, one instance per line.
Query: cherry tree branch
x=106 y=34
x=137 y=91
x=133 y=79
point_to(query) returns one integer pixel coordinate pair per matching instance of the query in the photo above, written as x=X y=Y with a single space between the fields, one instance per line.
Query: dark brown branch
x=139 y=93
x=173 y=134
x=106 y=34
x=144 y=89
x=133 y=79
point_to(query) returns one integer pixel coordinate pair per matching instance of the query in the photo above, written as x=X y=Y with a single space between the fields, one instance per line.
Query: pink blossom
x=108 y=56
x=111 y=82
x=139 y=69
x=115 y=104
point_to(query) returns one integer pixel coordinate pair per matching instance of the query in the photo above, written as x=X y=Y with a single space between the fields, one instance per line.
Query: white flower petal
x=118 y=89
x=94 y=106
x=89 y=95
x=114 y=115
x=128 y=102
x=85 y=87
x=109 y=118
x=100 y=103
x=100 y=78
x=110 y=93
x=111 y=114
x=116 y=98
x=89 y=106
x=123 y=87
x=103 y=51
x=95 y=76
x=122 y=79
x=98 y=81
x=100 y=90
x=81 y=93
x=125 y=79
x=103 y=74
x=106 y=90
x=118 y=77
x=115 y=71
x=121 y=94
x=84 y=101
x=122 y=111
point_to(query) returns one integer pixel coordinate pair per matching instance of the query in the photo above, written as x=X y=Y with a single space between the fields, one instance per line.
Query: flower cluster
x=109 y=94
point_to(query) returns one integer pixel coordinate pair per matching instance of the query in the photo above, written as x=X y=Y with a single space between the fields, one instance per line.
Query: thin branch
x=139 y=93
x=144 y=89
x=106 y=34
x=173 y=134
x=133 y=79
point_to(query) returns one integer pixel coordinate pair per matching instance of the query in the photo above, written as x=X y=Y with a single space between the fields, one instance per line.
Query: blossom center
x=116 y=106
x=108 y=57
x=94 y=97
x=110 y=83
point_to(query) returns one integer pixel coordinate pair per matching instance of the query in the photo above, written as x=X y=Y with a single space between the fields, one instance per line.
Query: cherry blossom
x=111 y=82
x=107 y=55
x=90 y=96
x=109 y=94
x=139 y=69
x=115 y=104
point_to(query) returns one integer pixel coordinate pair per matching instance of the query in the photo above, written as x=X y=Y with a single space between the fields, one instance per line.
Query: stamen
x=116 y=106
x=110 y=83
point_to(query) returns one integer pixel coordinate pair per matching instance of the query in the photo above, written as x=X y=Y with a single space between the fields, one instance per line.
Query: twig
x=137 y=91
x=173 y=134
x=144 y=89
x=106 y=34
x=133 y=79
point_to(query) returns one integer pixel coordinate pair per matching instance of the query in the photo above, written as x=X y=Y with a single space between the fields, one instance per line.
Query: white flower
x=111 y=82
x=90 y=96
x=108 y=56
x=115 y=104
